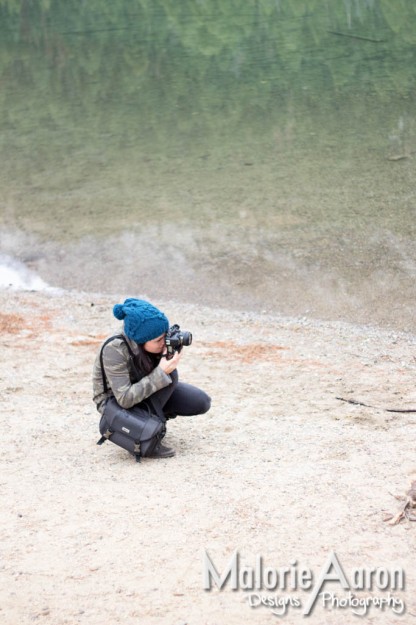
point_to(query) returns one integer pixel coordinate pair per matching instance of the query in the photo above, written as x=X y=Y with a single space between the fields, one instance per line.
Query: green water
x=251 y=155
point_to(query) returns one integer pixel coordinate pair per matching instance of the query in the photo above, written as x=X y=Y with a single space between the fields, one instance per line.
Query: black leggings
x=180 y=398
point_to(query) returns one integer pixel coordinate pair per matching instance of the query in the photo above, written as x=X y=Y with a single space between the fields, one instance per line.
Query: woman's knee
x=205 y=403
x=188 y=400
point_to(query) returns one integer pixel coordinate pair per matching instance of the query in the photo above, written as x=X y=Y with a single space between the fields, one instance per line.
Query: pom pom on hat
x=118 y=311
x=142 y=321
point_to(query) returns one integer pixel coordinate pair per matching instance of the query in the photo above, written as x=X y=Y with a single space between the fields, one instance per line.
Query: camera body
x=175 y=339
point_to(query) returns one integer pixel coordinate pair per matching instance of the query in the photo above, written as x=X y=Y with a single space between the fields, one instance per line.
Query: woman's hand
x=170 y=365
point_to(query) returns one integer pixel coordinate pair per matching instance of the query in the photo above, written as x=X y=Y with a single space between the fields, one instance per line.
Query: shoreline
x=297 y=287
x=257 y=315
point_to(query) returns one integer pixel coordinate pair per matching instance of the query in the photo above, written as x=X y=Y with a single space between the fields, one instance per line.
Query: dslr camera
x=175 y=339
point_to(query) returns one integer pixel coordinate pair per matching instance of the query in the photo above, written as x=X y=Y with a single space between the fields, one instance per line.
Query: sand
x=279 y=468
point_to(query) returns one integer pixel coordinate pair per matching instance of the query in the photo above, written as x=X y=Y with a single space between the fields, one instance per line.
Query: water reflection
x=264 y=153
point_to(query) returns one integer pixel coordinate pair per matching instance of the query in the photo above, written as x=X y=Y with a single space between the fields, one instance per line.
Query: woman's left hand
x=169 y=365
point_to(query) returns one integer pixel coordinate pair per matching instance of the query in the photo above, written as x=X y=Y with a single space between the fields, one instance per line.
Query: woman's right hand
x=170 y=365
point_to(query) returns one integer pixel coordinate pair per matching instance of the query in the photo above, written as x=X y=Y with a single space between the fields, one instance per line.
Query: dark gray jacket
x=119 y=375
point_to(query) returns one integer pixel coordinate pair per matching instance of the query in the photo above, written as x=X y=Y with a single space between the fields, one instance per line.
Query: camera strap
x=116 y=336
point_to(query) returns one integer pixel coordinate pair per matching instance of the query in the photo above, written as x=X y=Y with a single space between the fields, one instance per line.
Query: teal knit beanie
x=142 y=321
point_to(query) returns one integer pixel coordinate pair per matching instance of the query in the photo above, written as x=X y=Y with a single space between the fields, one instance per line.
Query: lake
x=254 y=156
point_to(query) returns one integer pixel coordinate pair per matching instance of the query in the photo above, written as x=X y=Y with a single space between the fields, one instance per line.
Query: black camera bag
x=136 y=429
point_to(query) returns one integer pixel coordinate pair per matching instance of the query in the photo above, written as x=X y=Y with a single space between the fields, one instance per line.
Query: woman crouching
x=136 y=385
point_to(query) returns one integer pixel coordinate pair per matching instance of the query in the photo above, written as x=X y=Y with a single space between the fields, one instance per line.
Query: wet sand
x=333 y=275
x=279 y=467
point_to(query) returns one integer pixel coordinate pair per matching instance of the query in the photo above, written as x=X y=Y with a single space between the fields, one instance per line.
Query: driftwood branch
x=404 y=511
x=360 y=403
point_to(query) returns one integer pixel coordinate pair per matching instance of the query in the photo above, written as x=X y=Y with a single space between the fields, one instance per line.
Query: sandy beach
x=279 y=467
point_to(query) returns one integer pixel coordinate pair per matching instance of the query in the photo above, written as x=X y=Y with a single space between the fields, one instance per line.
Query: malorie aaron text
x=296 y=577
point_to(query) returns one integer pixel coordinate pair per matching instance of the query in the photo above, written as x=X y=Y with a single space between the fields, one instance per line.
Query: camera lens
x=186 y=338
